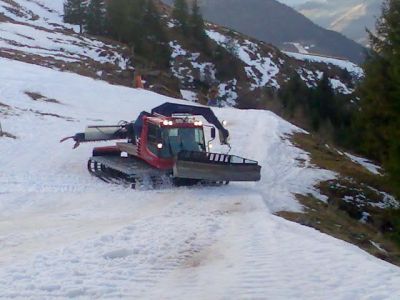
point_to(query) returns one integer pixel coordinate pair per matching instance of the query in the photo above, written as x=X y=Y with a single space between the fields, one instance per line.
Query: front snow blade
x=215 y=167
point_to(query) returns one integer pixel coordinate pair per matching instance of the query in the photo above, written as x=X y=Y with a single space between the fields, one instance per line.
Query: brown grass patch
x=39 y=97
x=357 y=219
x=52 y=115
x=332 y=220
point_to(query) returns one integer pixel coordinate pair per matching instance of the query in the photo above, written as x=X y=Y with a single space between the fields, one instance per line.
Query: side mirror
x=213 y=133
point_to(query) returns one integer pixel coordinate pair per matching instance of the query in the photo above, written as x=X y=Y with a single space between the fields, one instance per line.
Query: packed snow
x=66 y=234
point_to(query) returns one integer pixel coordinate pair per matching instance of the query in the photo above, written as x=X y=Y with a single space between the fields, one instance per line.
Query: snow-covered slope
x=33 y=31
x=65 y=234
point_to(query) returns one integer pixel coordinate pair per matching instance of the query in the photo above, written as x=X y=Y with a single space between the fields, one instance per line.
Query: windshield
x=178 y=139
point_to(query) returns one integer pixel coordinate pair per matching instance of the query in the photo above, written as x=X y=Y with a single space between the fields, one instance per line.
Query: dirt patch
x=7 y=135
x=7 y=110
x=3 y=18
x=39 y=113
x=39 y=97
x=4 y=105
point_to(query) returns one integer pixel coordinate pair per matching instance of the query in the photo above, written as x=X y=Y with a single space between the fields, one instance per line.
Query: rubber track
x=142 y=181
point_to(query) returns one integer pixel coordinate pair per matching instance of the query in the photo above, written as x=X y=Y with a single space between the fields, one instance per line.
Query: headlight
x=170 y=123
x=159 y=146
x=166 y=123
x=210 y=145
x=224 y=123
x=198 y=123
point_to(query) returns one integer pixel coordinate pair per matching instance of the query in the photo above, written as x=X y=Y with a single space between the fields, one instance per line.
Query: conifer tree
x=324 y=98
x=137 y=23
x=124 y=20
x=380 y=106
x=95 y=19
x=197 y=23
x=181 y=13
x=155 y=35
x=292 y=93
x=75 y=12
x=117 y=16
x=197 y=28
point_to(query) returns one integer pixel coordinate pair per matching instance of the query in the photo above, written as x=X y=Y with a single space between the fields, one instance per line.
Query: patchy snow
x=57 y=45
x=388 y=201
x=261 y=69
x=177 y=50
x=309 y=77
x=374 y=169
x=217 y=37
x=40 y=31
x=344 y=64
x=172 y=23
x=227 y=91
x=44 y=13
x=187 y=66
x=364 y=217
x=189 y=95
x=66 y=234
x=340 y=87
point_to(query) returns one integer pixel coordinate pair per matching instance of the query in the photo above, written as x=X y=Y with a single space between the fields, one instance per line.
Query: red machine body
x=142 y=147
x=145 y=153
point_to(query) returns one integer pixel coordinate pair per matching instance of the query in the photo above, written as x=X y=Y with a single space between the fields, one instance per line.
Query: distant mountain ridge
x=280 y=25
x=350 y=17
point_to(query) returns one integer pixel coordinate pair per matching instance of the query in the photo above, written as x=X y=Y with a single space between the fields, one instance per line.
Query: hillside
x=347 y=17
x=42 y=38
x=267 y=20
x=65 y=234
x=33 y=31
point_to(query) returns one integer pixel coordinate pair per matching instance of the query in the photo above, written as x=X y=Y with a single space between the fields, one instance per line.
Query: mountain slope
x=276 y=23
x=348 y=17
x=66 y=234
x=33 y=31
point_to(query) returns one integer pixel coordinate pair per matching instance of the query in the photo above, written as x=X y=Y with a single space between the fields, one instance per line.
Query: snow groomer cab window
x=152 y=138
